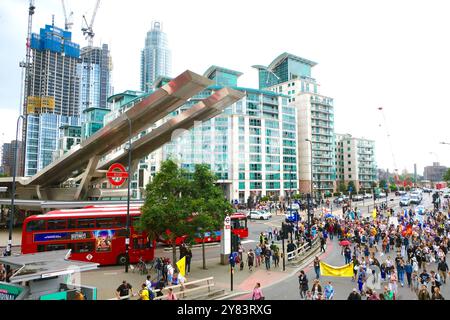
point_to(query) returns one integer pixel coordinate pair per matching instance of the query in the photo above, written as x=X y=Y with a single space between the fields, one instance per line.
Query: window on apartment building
x=349 y=176
x=349 y=169
x=349 y=162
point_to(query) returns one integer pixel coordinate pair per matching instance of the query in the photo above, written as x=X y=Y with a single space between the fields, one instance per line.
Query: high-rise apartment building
x=155 y=57
x=291 y=75
x=95 y=87
x=54 y=94
x=355 y=161
x=8 y=150
x=251 y=146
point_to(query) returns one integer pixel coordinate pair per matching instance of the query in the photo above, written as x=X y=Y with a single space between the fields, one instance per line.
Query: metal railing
x=302 y=250
x=180 y=289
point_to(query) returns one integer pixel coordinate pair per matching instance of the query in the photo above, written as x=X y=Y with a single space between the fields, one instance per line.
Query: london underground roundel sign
x=117 y=174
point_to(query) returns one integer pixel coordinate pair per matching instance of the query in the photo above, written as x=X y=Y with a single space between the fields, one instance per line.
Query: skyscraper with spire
x=155 y=57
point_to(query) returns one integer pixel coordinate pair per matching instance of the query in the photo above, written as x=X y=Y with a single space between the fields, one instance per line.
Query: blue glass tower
x=155 y=57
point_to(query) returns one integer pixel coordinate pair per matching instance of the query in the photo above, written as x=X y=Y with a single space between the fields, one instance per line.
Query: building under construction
x=53 y=96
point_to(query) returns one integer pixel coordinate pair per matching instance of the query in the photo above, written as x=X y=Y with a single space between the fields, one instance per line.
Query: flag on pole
x=332 y=271
x=181 y=265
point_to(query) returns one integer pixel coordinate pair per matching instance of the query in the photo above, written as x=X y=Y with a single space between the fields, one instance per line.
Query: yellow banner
x=374 y=213
x=332 y=271
x=181 y=264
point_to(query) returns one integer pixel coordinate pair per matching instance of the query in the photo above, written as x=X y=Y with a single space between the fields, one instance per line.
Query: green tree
x=342 y=187
x=351 y=185
x=393 y=187
x=167 y=206
x=208 y=202
x=447 y=176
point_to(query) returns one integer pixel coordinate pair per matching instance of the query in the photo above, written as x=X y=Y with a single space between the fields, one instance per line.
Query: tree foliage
x=447 y=176
x=183 y=203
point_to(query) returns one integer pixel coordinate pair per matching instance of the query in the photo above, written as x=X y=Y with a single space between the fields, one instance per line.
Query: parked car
x=358 y=197
x=405 y=201
x=260 y=215
x=415 y=199
x=368 y=196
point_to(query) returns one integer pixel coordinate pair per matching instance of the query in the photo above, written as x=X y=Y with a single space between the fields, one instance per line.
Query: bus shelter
x=46 y=276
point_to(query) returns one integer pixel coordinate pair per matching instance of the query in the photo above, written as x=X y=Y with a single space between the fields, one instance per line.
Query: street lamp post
x=127 y=240
x=309 y=196
x=13 y=196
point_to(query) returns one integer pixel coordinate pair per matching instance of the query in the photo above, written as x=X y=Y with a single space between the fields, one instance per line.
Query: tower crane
x=88 y=30
x=67 y=19
x=388 y=135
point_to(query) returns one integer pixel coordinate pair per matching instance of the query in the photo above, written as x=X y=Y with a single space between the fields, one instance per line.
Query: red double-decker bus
x=238 y=227
x=94 y=234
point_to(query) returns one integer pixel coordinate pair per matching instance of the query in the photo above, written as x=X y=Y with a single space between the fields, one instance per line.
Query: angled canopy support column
x=87 y=176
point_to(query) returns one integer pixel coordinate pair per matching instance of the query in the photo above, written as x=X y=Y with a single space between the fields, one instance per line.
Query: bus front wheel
x=122 y=259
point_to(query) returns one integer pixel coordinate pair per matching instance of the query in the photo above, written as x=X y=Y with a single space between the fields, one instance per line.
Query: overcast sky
x=370 y=54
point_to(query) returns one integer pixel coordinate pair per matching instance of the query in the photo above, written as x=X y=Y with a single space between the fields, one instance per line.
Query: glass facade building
x=95 y=73
x=155 y=57
x=291 y=75
x=55 y=80
x=251 y=146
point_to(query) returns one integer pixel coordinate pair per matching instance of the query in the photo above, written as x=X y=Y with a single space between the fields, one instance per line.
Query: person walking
x=316 y=290
x=317 y=267
x=258 y=255
x=144 y=293
x=269 y=233
x=124 y=290
x=388 y=294
x=329 y=291
x=354 y=295
x=408 y=271
x=257 y=292
x=423 y=293
x=401 y=272
x=347 y=255
x=442 y=268
x=267 y=256
x=188 y=259
x=303 y=284
x=437 y=294
x=323 y=242
x=250 y=259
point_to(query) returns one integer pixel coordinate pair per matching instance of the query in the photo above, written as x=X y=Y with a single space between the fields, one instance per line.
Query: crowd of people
x=411 y=249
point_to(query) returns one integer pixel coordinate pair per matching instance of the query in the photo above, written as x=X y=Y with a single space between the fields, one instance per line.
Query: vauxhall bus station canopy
x=85 y=164
x=46 y=275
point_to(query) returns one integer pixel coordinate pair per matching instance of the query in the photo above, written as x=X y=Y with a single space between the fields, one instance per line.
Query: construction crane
x=26 y=85
x=67 y=19
x=88 y=30
x=388 y=135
